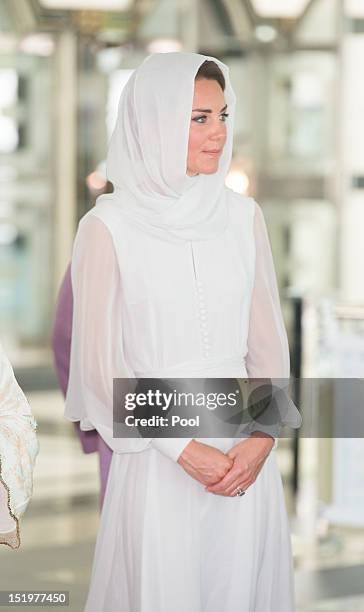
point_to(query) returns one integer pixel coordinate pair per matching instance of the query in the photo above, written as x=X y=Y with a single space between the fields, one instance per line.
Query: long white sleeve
x=268 y=351
x=97 y=352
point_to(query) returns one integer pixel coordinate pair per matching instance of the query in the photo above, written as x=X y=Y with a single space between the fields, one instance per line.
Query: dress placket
x=202 y=310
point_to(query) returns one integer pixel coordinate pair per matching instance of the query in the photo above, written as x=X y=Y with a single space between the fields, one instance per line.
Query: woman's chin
x=209 y=168
x=210 y=171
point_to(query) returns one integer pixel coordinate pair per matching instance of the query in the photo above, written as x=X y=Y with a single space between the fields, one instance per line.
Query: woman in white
x=18 y=450
x=173 y=277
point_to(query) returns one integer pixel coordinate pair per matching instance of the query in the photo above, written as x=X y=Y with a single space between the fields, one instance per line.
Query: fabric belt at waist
x=232 y=366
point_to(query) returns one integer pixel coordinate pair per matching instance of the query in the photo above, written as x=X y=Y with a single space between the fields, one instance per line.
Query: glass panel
x=301 y=109
x=26 y=202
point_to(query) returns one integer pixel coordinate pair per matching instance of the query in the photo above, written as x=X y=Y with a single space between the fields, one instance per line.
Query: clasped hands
x=222 y=473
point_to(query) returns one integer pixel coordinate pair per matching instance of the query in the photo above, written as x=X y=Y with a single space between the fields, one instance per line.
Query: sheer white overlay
x=98 y=353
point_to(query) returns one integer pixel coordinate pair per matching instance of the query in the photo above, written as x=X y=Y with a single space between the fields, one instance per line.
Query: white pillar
x=351 y=216
x=65 y=129
x=188 y=19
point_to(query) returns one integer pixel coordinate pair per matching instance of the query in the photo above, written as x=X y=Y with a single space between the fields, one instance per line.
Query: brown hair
x=210 y=70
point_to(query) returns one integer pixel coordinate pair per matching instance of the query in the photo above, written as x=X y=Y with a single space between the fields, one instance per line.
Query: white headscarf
x=148 y=150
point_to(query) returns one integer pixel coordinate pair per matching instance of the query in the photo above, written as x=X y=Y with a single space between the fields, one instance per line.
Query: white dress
x=145 y=307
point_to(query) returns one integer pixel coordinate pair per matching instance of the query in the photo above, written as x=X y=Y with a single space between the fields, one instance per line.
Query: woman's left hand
x=249 y=457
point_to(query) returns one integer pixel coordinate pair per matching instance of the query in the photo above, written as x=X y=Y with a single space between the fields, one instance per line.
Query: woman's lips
x=213 y=153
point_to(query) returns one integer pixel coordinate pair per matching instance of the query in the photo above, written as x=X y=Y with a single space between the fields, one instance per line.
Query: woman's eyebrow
x=207 y=110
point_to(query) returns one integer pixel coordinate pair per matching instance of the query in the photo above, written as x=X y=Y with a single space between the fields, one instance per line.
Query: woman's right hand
x=204 y=463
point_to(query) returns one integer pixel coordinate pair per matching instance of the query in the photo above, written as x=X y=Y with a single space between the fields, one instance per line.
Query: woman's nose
x=218 y=130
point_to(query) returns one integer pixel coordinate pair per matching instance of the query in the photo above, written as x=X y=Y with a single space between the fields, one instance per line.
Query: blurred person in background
x=172 y=276
x=61 y=342
x=18 y=451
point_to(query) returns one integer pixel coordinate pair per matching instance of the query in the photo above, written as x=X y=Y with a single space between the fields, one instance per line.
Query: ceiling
x=229 y=24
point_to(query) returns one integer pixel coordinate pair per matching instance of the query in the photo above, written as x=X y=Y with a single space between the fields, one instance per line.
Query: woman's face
x=207 y=129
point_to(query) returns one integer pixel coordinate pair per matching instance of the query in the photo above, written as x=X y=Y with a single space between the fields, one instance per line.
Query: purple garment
x=61 y=342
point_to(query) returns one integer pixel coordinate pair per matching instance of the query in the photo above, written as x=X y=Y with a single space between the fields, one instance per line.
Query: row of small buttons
x=203 y=320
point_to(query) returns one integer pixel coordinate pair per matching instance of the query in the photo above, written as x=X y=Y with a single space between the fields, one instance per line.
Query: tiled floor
x=59 y=529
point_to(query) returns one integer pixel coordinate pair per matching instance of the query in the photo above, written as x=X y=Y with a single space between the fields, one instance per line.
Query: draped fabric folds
x=147 y=155
x=18 y=450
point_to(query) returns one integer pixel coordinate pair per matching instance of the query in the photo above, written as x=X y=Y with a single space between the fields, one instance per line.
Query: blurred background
x=297 y=69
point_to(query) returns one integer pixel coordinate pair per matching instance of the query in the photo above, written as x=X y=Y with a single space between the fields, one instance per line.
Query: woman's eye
x=200 y=119
x=203 y=118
